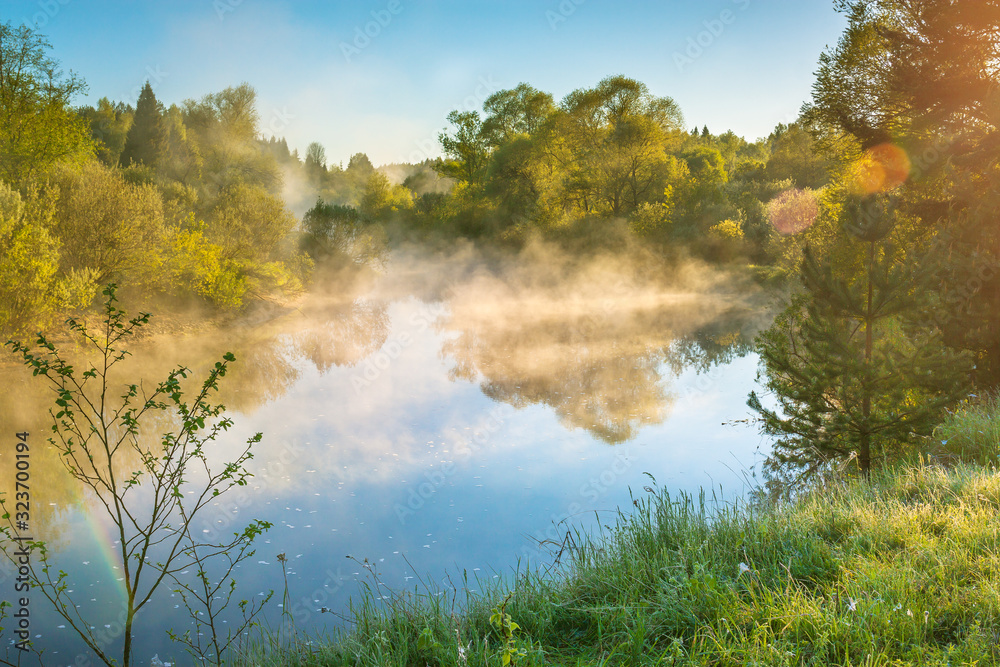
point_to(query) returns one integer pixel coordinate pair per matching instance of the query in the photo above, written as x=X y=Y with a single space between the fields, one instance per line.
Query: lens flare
x=793 y=211
x=884 y=167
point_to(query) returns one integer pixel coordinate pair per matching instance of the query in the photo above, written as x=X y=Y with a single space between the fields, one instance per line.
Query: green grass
x=971 y=432
x=902 y=569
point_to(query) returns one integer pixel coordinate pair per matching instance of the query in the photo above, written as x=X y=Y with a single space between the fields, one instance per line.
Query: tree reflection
x=716 y=344
x=25 y=409
x=342 y=334
x=600 y=367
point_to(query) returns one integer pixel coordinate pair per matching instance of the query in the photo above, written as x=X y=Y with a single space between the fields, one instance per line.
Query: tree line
x=185 y=202
x=881 y=197
x=181 y=202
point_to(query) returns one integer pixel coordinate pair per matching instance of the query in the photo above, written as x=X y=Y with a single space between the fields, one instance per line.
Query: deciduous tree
x=37 y=125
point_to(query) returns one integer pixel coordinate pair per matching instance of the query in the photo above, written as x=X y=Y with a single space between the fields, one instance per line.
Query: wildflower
x=743 y=567
x=462 y=649
x=852 y=604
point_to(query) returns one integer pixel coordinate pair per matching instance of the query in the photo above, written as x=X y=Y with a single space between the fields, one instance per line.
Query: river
x=442 y=415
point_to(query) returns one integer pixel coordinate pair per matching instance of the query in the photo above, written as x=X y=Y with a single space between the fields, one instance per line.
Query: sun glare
x=884 y=167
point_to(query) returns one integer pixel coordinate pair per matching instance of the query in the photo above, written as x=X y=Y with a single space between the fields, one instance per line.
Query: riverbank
x=905 y=567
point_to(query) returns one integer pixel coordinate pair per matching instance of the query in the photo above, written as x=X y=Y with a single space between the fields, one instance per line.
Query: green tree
x=852 y=366
x=151 y=488
x=29 y=259
x=224 y=128
x=355 y=179
x=315 y=162
x=730 y=146
x=916 y=81
x=467 y=151
x=335 y=231
x=794 y=155
x=146 y=137
x=236 y=110
x=37 y=125
x=109 y=126
x=181 y=159
x=511 y=113
x=249 y=227
x=109 y=226
x=516 y=178
x=249 y=223
x=707 y=170
x=617 y=134
x=361 y=166
x=381 y=199
x=196 y=266
x=316 y=154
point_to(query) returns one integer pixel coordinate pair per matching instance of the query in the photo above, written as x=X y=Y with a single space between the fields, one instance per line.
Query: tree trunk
x=865 y=441
x=127 y=649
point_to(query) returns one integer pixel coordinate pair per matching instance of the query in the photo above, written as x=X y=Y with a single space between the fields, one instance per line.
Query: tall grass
x=971 y=432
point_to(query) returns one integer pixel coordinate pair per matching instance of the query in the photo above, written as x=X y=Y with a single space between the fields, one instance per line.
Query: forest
x=190 y=203
x=875 y=208
x=870 y=221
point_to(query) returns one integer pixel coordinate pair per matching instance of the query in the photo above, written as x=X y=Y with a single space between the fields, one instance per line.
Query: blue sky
x=744 y=65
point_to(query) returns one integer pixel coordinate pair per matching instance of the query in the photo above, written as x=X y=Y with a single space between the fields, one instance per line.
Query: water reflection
x=341 y=334
x=596 y=362
x=600 y=353
x=24 y=410
x=372 y=398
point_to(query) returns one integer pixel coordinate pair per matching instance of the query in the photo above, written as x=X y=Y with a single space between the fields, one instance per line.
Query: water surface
x=445 y=415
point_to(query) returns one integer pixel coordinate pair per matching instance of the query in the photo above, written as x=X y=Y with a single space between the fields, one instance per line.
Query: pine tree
x=145 y=141
x=854 y=367
x=922 y=76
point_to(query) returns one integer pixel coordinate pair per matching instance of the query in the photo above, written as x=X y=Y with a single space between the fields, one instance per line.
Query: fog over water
x=446 y=412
